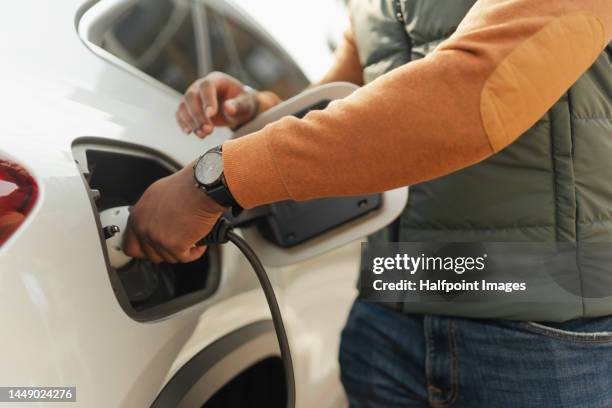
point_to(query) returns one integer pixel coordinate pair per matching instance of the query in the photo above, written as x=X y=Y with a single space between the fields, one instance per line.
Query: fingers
x=131 y=244
x=161 y=255
x=151 y=252
x=199 y=105
x=135 y=246
x=167 y=256
x=209 y=97
x=193 y=101
x=174 y=255
x=184 y=119
x=192 y=254
x=138 y=245
x=216 y=100
x=240 y=108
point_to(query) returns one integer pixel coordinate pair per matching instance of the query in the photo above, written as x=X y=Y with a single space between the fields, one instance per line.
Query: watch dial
x=209 y=168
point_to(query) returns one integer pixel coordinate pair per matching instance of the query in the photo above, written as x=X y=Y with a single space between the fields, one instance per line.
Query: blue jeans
x=390 y=360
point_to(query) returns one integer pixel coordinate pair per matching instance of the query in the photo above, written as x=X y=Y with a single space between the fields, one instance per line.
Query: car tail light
x=18 y=193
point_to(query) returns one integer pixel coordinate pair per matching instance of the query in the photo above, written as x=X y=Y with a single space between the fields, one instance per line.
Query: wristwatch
x=208 y=174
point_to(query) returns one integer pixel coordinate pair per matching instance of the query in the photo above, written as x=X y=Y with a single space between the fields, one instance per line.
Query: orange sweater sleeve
x=505 y=66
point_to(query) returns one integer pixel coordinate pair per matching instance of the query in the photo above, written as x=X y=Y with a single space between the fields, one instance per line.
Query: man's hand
x=215 y=100
x=170 y=217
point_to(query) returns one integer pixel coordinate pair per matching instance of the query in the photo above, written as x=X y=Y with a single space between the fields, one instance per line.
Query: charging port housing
x=118 y=174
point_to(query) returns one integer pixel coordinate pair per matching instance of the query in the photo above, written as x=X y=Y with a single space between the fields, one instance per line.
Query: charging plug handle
x=218 y=234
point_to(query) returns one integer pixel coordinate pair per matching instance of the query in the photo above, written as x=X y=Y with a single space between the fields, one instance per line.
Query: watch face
x=209 y=168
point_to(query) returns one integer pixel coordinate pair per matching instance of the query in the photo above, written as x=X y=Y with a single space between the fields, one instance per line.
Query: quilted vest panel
x=553 y=184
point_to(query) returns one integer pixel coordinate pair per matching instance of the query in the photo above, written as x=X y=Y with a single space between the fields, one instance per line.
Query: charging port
x=119 y=175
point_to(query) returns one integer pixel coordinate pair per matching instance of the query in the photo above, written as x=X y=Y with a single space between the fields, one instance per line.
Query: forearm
x=346 y=68
x=506 y=65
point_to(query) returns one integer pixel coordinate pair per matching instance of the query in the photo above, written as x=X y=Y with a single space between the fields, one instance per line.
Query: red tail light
x=18 y=193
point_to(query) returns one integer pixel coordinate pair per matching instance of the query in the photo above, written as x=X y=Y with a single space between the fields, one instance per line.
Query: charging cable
x=222 y=233
x=115 y=220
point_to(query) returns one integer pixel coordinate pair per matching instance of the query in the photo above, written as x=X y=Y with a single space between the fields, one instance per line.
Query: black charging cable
x=222 y=233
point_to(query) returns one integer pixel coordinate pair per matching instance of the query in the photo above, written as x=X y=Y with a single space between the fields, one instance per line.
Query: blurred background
x=289 y=20
x=268 y=44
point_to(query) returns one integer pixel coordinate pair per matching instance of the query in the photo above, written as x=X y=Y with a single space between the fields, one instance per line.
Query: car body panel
x=63 y=323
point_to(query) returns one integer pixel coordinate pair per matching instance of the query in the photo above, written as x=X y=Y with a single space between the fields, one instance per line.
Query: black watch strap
x=221 y=194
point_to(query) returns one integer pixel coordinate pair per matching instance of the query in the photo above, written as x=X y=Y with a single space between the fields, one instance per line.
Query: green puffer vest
x=553 y=184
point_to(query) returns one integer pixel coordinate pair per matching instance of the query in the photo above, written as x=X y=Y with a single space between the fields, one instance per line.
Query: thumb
x=241 y=107
x=192 y=254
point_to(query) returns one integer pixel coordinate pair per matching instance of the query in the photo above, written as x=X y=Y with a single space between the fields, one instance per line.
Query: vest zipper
x=399 y=14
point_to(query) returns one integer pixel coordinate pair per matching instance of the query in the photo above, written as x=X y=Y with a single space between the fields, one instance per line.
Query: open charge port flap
x=290 y=223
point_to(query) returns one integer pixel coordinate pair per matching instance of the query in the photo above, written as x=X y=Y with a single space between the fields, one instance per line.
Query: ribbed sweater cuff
x=251 y=173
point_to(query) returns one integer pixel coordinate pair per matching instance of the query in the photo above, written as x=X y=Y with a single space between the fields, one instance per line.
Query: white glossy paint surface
x=62 y=324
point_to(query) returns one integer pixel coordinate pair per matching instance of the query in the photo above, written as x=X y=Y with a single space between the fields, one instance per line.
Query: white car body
x=62 y=322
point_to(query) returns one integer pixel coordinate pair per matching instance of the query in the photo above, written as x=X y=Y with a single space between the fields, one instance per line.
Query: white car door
x=109 y=105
